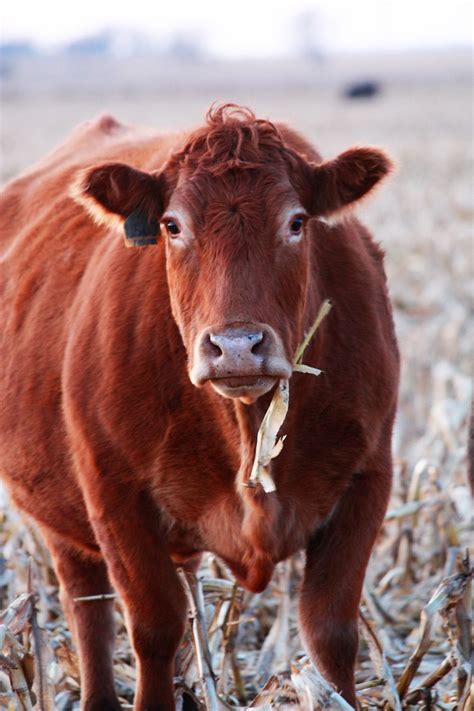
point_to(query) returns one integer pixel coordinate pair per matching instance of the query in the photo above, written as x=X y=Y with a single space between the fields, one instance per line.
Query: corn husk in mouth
x=269 y=444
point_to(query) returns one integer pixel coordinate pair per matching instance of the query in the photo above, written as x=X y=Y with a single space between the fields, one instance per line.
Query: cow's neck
x=260 y=510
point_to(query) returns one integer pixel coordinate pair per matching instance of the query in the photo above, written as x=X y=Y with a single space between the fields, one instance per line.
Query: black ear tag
x=139 y=230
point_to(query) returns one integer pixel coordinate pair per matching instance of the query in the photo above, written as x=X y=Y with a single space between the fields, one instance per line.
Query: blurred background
x=162 y=65
x=394 y=74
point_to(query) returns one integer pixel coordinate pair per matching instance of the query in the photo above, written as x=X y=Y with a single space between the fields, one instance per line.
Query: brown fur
x=126 y=466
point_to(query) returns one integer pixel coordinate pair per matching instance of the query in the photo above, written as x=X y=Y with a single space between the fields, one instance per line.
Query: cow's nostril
x=257 y=345
x=212 y=347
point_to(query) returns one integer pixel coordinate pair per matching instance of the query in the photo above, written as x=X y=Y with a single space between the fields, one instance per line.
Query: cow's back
x=47 y=244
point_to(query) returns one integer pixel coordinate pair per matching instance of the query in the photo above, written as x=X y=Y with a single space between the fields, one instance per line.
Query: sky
x=250 y=28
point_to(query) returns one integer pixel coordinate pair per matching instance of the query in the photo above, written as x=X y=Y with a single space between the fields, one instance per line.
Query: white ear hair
x=78 y=192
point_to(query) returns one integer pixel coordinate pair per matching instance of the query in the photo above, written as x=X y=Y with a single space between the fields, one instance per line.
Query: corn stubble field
x=415 y=650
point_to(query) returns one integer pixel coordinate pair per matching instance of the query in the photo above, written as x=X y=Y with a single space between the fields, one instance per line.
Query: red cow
x=134 y=380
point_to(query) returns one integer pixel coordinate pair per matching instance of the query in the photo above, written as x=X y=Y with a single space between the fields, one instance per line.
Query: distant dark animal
x=134 y=380
x=362 y=90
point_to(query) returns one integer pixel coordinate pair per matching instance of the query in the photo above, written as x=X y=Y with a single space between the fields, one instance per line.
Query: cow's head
x=233 y=206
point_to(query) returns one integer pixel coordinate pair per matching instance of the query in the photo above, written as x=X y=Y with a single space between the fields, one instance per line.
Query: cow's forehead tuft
x=233 y=140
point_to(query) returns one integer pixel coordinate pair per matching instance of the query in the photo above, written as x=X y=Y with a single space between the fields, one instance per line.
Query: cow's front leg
x=132 y=538
x=337 y=558
x=91 y=622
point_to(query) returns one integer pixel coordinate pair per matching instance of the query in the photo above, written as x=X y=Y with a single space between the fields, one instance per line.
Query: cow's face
x=237 y=260
x=234 y=207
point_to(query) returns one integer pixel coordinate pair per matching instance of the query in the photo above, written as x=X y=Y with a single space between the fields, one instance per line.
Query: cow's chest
x=207 y=509
x=251 y=538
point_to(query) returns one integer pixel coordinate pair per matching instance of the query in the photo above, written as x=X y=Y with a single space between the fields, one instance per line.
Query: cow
x=365 y=89
x=134 y=381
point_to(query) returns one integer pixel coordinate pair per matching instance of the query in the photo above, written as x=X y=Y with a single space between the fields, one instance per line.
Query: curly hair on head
x=232 y=138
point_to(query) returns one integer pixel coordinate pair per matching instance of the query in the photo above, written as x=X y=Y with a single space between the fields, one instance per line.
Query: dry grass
x=415 y=619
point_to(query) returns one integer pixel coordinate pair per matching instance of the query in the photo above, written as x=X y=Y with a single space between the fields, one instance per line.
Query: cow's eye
x=296 y=225
x=172 y=228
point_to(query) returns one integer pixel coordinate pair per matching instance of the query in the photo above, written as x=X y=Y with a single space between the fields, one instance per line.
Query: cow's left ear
x=338 y=183
x=118 y=195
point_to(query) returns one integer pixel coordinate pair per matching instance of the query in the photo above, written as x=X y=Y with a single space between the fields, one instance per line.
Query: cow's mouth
x=245 y=388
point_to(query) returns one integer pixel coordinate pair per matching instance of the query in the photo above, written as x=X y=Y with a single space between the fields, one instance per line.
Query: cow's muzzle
x=242 y=361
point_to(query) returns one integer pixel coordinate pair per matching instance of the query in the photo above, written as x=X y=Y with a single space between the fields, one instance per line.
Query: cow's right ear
x=340 y=183
x=118 y=195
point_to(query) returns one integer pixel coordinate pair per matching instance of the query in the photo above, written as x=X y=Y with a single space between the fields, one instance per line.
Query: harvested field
x=415 y=650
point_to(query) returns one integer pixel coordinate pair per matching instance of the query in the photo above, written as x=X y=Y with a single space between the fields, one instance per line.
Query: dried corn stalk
x=22 y=667
x=269 y=445
x=193 y=589
x=314 y=692
x=449 y=594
